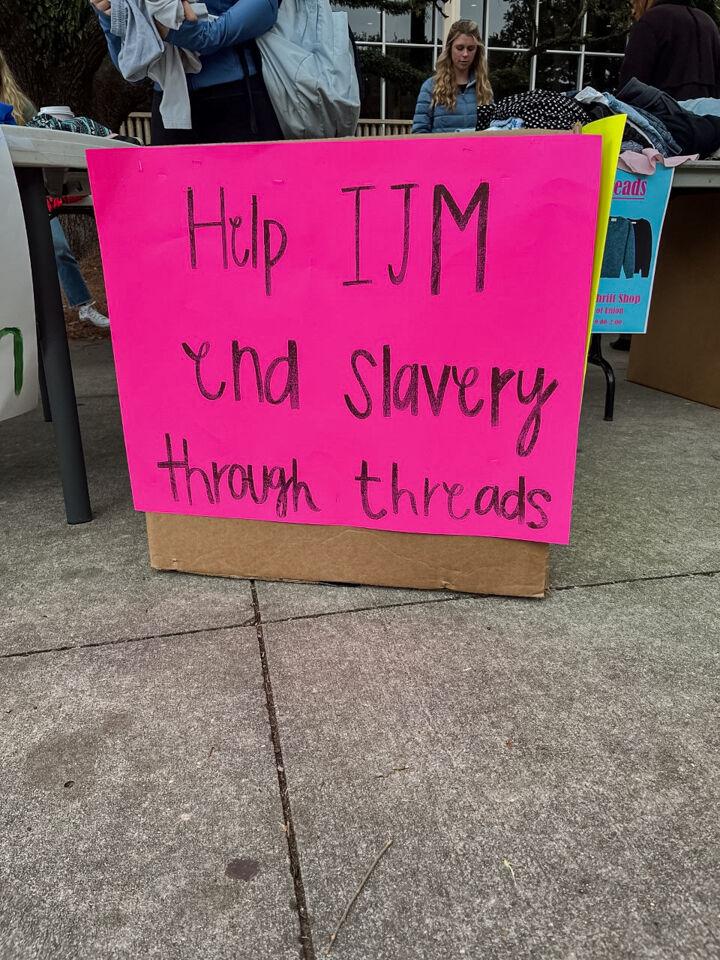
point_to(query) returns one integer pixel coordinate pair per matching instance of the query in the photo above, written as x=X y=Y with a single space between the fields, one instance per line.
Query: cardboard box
x=680 y=353
x=303 y=552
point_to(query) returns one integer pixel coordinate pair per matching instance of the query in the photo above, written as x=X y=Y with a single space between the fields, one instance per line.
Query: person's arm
x=640 y=55
x=422 y=121
x=244 y=21
x=102 y=8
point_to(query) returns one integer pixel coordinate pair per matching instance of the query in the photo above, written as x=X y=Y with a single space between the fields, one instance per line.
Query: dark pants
x=223 y=113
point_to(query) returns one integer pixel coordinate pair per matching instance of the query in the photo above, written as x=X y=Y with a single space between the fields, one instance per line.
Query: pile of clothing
x=77 y=125
x=655 y=121
x=538 y=109
x=70 y=125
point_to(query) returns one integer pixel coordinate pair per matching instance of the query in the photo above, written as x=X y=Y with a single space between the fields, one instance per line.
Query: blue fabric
x=632 y=145
x=6 y=115
x=514 y=123
x=439 y=119
x=619 y=249
x=653 y=128
x=702 y=106
x=71 y=279
x=215 y=41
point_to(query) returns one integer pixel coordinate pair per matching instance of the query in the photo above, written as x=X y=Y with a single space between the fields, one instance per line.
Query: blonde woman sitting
x=448 y=100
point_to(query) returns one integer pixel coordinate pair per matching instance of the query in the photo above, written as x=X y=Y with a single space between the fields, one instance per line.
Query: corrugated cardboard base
x=290 y=551
x=680 y=353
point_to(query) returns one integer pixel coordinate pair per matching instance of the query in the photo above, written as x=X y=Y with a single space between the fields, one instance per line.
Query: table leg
x=54 y=346
x=47 y=413
x=596 y=357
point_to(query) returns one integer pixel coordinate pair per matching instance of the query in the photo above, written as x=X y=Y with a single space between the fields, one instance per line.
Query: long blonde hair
x=640 y=7
x=11 y=93
x=445 y=85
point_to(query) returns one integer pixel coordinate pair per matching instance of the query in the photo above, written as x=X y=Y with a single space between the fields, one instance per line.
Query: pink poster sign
x=373 y=333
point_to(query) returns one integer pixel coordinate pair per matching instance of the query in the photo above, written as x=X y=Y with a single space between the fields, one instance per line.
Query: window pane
x=557 y=72
x=511 y=22
x=364 y=22
x=412 y=28
x=509 y=73
x=411 y=67
x=607 y=33
x=472 y=10
x=370 y=106
x=602 y=72
x=560 y=23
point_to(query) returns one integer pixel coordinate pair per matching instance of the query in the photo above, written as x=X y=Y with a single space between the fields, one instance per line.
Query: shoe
x=89 y=313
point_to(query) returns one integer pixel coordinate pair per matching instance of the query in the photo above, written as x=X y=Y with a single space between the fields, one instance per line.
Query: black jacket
x=692 y=132
x=675 y=48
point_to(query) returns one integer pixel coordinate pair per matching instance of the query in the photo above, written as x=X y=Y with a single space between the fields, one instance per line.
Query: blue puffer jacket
x=215 y=41
x=429 y=119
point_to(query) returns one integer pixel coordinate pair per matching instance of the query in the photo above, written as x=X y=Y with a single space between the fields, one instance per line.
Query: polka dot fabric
x=540 y=109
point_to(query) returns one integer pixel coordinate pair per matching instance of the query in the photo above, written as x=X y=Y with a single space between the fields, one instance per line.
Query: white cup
x=61 y=113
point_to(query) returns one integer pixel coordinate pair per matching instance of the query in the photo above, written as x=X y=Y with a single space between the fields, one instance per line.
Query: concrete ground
x=196 y=768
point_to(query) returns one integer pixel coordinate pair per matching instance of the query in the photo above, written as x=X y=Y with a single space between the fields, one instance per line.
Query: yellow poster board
x=611 y=131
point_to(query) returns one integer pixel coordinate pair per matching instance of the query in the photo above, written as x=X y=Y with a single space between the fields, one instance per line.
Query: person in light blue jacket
x=448 y=100
x=228 y=99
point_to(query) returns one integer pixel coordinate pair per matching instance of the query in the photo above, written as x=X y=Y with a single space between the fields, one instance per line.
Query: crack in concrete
x=91 y=644
x=382 y=606
x=306 y=939
x=650 y=579
x=484 y=596
x=251 y=621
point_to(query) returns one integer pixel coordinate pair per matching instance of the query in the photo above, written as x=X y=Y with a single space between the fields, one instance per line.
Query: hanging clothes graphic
x=643 y=246
x=628 y=248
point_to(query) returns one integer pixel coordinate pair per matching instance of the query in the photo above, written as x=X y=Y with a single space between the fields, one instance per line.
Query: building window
x=402 y=50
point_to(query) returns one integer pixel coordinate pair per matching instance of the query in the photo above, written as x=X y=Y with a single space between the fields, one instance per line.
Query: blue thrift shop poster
x=637 y=213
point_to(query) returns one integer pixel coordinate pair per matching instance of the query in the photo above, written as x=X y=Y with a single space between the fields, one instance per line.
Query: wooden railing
x=138 y=125
x=383 y=128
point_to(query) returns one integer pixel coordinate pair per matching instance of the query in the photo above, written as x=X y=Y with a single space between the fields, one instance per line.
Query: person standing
x=448 y=100
x=229 y=102
x=674 y=47
x=71 y=279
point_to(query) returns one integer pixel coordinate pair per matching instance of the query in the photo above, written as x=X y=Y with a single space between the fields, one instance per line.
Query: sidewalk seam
x=92 y=644
x=486 y=596
x=650 y=579
x=306 y=940
x=98 y=396
x=252 y=621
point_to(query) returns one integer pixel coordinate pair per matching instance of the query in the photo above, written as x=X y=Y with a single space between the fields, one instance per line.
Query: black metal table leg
x=54 y=346
x=595 y=357
x=47 y=413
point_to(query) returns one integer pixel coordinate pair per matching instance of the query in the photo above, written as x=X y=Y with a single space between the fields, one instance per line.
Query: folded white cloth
x=143 y=53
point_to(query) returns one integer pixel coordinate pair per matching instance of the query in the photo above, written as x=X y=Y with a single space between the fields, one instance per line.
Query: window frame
x=441 y=26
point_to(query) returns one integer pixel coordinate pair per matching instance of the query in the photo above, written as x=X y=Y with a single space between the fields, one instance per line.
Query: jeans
x=647 y=123
x=71 y=280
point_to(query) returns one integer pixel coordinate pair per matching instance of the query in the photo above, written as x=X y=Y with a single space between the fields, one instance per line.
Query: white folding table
x=52 y=162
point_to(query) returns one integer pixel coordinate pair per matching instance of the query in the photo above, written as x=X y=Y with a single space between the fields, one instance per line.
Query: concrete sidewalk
x=196 y=768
